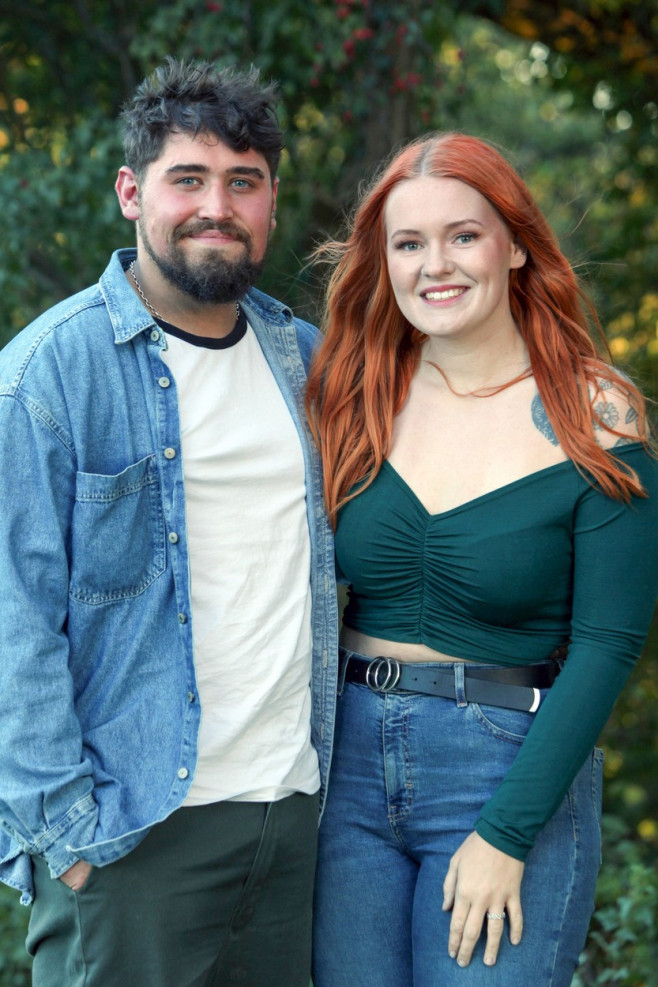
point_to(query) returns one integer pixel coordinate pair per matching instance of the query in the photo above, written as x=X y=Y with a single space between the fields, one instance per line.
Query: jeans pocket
x=504 y=724
x=117 y=541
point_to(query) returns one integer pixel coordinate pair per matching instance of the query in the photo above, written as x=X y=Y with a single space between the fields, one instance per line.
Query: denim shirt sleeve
x=46 y=801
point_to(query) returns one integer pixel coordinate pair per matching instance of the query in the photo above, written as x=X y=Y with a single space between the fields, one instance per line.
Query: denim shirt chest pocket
x=118 y=535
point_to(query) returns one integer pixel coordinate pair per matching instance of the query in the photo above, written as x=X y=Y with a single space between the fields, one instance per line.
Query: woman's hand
x=481 y=880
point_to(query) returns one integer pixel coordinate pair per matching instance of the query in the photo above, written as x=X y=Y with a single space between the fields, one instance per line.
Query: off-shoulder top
x=504 y=579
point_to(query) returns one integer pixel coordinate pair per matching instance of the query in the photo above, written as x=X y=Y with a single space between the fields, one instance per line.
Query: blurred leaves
x=622 y=947
x=569 y=91
x=357 y=77
x=14 y=965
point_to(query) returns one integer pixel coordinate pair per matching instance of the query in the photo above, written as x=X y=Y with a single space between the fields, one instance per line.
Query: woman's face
x=449 y=255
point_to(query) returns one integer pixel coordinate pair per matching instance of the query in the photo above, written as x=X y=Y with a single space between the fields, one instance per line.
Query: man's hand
x=76 y=876
x=481 y=880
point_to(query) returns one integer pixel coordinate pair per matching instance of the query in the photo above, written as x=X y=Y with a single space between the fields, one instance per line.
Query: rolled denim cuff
x=76 y=829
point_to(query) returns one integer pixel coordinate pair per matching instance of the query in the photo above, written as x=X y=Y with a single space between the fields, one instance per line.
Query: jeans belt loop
x=344 y=657
x=460 y=690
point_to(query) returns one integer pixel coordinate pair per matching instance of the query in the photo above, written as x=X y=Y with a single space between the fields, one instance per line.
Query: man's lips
x=225 y=233
x=212 y=235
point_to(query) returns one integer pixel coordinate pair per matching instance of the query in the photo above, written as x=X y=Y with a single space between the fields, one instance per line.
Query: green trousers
x=215 y=895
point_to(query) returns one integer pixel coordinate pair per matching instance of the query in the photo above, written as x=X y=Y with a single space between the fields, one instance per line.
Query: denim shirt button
x=173 y=537
x=164 y=382
x=155 y=335
x=191 y=697
x=170 y=453
x=182 y=618
x=182 y=773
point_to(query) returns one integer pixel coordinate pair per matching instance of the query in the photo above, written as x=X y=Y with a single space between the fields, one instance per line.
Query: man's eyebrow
x=200 y=169
x=250 y=172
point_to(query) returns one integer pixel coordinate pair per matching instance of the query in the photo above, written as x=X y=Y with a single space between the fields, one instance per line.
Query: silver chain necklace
x=150 y=307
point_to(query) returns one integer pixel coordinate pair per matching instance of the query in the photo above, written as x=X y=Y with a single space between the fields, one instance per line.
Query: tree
x=570 y=91
x=358 y=77
x=607 y=52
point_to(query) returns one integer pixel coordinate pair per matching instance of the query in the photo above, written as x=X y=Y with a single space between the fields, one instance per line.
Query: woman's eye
x=465 y=237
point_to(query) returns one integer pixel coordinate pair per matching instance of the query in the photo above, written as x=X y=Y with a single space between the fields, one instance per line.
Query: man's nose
x=215 y=204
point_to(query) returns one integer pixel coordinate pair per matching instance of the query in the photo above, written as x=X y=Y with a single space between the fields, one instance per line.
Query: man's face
x=204 y=213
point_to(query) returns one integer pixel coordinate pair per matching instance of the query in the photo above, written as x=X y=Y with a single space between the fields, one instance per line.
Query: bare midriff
x=375 y=647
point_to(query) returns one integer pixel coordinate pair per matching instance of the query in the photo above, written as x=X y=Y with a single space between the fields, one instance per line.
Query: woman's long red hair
x=360 y=376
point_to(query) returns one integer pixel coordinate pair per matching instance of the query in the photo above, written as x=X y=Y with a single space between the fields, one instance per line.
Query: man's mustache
x=228 y=228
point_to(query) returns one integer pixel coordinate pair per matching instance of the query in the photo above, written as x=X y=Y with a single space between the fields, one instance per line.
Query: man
x=166 y=573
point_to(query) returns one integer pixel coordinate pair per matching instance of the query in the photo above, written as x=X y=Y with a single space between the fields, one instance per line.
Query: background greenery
x=569 y=90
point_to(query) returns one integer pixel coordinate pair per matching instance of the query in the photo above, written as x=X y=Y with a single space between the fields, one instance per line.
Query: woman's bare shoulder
x=615 y=414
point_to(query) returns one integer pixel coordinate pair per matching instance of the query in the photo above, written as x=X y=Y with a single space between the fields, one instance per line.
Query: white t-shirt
x=249 y=552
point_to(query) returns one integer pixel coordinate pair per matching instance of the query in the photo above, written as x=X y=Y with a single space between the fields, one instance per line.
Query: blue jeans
x=409 y=775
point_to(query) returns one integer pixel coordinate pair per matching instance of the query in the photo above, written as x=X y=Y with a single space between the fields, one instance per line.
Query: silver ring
x=498 y=916
x=389 y=670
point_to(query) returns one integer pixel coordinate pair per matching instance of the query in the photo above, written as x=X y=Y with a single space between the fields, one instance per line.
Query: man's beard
x=213 y=279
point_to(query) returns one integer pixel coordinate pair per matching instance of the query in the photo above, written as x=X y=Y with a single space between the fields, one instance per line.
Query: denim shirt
x=100 y=714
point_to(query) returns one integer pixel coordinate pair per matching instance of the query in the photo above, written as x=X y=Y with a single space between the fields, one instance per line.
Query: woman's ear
x=518 y=255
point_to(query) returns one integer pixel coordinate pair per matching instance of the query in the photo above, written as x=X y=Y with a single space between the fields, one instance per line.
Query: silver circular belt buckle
x=383 y=674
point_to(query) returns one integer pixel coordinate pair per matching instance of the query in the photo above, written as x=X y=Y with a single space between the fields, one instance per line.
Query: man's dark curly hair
x=199 y=98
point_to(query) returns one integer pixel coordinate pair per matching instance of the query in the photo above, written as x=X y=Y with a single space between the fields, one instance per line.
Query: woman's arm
x=615 y=581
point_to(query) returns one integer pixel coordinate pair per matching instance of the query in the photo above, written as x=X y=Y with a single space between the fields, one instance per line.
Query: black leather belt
x=513 y=688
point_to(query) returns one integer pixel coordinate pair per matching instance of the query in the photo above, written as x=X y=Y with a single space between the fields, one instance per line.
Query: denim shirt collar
x=129 y=316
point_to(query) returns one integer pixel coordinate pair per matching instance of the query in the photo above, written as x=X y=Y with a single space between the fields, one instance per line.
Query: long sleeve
x=46 y=801
x=615 y=582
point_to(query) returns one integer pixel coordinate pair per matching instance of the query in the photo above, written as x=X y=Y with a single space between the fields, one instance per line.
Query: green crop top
x=504 y=579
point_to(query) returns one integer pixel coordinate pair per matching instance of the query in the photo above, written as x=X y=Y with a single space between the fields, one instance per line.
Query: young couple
x=171 y=671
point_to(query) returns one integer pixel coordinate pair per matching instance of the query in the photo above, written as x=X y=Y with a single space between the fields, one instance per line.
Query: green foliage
x=14 y=961
x=568 y=90
x=622 y=948
x=357 y=77
x=60 y=220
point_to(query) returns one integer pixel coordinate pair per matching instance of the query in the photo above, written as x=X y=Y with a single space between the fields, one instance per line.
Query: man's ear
x=127 y=191
x=275 y=190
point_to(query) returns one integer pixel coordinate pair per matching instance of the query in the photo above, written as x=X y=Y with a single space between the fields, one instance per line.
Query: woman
x=496 y=508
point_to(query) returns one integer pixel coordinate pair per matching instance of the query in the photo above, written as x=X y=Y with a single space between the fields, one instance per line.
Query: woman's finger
x=458 y=920
x=515 y=918
x=495 y=923
x=449 y=886
x=472 y=930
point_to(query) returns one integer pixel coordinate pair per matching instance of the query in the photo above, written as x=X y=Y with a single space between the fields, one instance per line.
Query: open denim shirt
x=100 y=715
